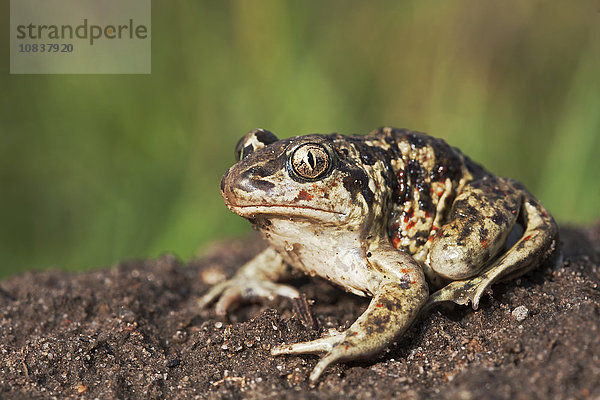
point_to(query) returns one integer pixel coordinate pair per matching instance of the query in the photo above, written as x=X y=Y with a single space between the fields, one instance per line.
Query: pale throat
x=336 y=253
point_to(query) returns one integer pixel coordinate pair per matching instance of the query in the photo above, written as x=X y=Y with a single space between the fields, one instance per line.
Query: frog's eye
x=253 y=141
x=310 y=161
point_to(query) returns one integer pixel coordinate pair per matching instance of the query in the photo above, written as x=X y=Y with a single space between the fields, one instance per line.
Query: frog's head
x=313 y=177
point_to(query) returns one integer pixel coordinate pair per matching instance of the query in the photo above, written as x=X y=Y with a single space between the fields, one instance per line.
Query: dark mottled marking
x=463 y=234
x=378 y=324
x=367 y=155
x=404 y=282
x=265 y=137
x=416 y=140
x=447 y=159
x=415 y=170
x=472 y=211
x=425 y=202
x=371 y=154
x=462 y=209
x=420 y=241
x=499 y=219
x=269 y=168
x=421 y=237
x=438 y=173
x=356 y=181
x=457 y=208
x=390 y=139
x=391 y=304
x=247 y=150
x=483 y=234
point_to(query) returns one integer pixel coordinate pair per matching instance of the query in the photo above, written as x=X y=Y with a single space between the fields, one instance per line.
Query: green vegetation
x=96 y=169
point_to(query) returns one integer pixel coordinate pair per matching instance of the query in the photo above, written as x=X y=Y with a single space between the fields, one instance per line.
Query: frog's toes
x=459 y=292
x=336 y=347
x=239 y=290
x=311 y=347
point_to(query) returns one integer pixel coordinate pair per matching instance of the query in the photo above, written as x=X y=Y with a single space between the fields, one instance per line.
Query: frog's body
x=386 y=215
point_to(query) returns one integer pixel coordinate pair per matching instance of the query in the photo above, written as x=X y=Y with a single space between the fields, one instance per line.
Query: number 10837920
x=45 y=48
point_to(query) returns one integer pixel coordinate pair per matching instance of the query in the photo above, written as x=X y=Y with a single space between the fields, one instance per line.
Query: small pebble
x=520 y=313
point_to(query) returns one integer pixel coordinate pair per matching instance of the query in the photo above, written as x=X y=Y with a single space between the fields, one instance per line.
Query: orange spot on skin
x=413 y=282
x=396 y=242
x=304 y=195
x=346 y=348
x=406 y=271
x=355 y=333
x=410 y=224
x=376 y=305
x=484 y=243
x=527 y=237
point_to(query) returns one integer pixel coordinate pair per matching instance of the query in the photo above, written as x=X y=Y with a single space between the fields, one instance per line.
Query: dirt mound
x=134 y=331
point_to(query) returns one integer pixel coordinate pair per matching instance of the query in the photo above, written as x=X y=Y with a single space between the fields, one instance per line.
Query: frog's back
x=429 y=174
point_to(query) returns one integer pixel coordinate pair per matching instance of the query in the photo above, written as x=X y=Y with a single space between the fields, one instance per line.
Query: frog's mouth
x=284 y=211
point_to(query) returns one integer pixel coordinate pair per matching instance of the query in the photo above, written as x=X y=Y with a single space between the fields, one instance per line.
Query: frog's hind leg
x=394 y=306
x=537 y=242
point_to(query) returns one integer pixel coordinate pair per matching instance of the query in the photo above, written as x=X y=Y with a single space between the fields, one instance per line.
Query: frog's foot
x=335 y=346
x=460 y=292
x=391 y=311
x=237 y=290
x=254 y=280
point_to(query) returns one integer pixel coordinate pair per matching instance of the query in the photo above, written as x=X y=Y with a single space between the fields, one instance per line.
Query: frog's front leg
x=256 y=279
x=395 y=305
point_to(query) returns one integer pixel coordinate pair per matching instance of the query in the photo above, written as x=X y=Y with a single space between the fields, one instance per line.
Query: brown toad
x=391 y=215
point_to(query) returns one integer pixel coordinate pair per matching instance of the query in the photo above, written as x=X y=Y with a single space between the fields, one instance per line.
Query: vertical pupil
x=311 y=160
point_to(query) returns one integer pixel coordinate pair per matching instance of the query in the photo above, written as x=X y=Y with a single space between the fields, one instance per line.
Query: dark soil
x=134 y=331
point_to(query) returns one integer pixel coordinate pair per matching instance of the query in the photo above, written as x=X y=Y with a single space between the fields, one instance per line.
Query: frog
x=395 y=215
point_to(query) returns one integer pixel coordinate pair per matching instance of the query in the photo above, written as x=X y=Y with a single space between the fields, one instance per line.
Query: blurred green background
x=101 y=168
